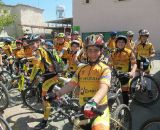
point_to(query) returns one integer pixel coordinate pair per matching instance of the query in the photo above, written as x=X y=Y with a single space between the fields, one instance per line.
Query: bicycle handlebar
x=97 y=111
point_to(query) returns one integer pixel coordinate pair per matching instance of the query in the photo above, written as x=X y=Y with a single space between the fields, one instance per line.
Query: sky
x=49 y=6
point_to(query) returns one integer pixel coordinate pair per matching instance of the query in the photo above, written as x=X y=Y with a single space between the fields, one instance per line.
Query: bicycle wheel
x=151 y=124
x=4 y=97
x=32 y=99
x=6 y=78
x=4 y=125
x=123 y=116
x=140 y=93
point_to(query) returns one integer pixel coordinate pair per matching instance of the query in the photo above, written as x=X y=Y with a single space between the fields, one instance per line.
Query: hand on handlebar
x=88 y=113
x=50 y=96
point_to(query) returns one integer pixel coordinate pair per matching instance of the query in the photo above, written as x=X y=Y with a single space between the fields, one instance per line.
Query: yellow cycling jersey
x=130 y=45
x=19 y=53
x=122 y=60
x=88 y=78
x=7 y=49
x=28 y=51
x=41 y=55
x=111 y=44
x=71 y=60
x=59 y=47
x=144 y=50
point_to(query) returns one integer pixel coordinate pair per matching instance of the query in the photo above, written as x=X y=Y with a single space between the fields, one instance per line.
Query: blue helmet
x=113 y=34
x=7 y=41
x=34 y=37
x=48 y=43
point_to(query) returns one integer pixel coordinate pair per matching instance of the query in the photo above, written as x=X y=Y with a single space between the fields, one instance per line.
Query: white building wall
x=109 y=15
x=25 y=15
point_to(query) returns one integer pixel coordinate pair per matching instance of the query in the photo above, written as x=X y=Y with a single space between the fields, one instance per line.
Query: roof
x=25 y=6
x=62 y=21
x=35 y=26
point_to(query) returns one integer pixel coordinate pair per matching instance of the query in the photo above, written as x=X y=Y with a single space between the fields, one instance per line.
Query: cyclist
x=123 y=60
x=72 y=57
x=130 y=44
x=76 y=36
x=111 y=41
x=93 y=80
x=144 y=49
x=7 y=49
x=61 y=46
x=42 y=62
x=19 y=54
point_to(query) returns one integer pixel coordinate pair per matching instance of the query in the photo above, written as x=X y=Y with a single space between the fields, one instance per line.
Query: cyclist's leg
x=102 y=122
x=125 y=89
x=45 y=87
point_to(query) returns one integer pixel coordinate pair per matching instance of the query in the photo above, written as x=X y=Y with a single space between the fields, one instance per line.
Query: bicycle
x=17 y=84
x=140 y=85
x=151 y=124
x=120 y=120
x=4 y=97
x=4 y=124
x=32 y=94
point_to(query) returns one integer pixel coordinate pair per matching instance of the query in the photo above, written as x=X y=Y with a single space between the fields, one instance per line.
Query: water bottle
x=141 y=65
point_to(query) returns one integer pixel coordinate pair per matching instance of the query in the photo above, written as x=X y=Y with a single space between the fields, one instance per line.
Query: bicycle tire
x=35 y=105
x=6 y=78
x=149 y=123
x=4 y=124
x=138 y=96
x=3 y=93
x=117 y=116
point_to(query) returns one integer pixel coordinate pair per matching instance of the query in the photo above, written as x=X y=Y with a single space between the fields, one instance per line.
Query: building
x=28 y=20
x=61 y=25
x=118 y=15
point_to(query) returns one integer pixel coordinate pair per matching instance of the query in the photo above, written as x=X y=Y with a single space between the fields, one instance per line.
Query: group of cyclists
x=92 y=77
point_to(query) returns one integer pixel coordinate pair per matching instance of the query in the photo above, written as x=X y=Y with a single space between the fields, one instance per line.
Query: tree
x=5 y=17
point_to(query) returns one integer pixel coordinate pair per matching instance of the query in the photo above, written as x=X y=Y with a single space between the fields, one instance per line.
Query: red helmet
x=18 y=42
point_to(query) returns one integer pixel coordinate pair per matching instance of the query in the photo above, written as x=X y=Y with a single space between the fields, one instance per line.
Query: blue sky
x=49 y=6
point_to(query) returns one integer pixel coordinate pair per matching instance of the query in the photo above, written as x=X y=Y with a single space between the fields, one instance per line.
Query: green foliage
x=5 y=17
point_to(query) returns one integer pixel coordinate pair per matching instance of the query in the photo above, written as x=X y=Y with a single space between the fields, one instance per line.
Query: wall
x=108 y=15
x=25 y=15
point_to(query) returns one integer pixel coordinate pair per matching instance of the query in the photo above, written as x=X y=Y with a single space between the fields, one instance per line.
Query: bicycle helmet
x=94 y=40
x=75 y=33
x=75 y=42
x=34 y=38
x=121 y=37
x=60 y=35
x=7 y=41
x=144 y=32
x=130 y=33
x=48 y=43
x=112 y=34
x=18 y=42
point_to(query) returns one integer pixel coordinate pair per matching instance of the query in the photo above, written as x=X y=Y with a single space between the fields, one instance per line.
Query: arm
x=1 y=63
x=134 y=64
x=69 y=87
x=101 y=93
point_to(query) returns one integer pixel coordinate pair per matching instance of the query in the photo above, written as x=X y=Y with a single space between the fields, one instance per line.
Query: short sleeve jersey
x=89 y=78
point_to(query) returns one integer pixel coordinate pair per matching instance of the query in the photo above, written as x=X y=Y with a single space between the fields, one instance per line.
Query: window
x=87 y=1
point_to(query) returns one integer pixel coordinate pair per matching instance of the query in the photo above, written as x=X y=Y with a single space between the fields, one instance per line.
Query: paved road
x=21 y=118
